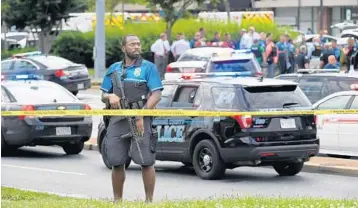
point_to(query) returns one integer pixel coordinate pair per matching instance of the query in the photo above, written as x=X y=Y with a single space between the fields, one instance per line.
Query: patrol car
x=338 y=132
x=319 y=83
x=214 y=59
x=213 y=144
x=27 y=93
x=72 y=76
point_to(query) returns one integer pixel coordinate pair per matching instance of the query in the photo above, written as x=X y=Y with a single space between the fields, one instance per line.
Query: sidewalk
x=317 y=164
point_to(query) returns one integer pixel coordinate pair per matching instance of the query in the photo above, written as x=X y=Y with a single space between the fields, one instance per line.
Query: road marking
x=41 y=169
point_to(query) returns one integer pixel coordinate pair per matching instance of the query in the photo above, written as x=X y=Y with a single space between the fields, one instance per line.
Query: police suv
x=213 y=144
x=214 y=60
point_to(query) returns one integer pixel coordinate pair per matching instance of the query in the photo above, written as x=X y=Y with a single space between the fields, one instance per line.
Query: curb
x=89 y=146
x=308 y=167
x=330 y=169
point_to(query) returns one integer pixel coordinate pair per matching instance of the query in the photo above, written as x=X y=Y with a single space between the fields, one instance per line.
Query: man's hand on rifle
x=114 y=101
x=140 y=126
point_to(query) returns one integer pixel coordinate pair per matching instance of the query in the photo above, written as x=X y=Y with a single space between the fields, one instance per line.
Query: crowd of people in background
x=281 y=57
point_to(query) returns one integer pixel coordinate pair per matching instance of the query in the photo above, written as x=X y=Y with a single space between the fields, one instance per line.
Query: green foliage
x=43 y=14
x=7 y=54
x=78 y=47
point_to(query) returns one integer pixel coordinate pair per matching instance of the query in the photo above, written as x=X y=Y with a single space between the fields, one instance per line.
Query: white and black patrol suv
x=213 y=144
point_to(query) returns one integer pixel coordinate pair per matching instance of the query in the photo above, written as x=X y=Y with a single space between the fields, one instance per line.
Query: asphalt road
x=93 y=98
x=49 y=169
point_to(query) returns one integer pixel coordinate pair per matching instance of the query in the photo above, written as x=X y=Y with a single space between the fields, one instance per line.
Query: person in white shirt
x=161 y=49
x=248 y=38
x=180 y=46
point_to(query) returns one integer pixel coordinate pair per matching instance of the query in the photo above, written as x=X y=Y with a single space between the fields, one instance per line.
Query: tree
x=226 y=4
x=174 y=9
x=45 y=16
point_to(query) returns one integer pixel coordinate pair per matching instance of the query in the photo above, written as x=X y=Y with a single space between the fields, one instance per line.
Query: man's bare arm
x=154 y=99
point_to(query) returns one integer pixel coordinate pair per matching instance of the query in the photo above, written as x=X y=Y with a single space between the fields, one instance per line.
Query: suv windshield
x=262 y=97
x=235 y=66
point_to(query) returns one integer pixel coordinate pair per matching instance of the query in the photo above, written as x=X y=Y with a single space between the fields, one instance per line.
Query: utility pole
x=100 y=47
x=321 y=15
x=298 y=14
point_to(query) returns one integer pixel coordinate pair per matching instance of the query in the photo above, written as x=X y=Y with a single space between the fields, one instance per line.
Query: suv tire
x=105 y=159
x=73 y=149
x=207 y=162
x=287 y=168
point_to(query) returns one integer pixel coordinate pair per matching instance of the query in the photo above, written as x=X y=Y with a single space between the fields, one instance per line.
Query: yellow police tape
x=162 y=112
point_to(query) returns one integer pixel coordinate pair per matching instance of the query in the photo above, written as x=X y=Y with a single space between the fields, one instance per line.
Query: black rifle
x=134 y=134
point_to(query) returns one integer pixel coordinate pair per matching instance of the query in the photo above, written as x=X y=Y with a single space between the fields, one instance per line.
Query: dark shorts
x=119 y=150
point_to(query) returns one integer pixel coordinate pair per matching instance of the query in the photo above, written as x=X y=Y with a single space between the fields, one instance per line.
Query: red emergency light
x=354 y=87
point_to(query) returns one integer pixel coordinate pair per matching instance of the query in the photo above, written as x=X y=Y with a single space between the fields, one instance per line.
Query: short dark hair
x=124 y=40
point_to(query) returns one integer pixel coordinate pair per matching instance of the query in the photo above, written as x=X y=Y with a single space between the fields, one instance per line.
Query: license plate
x=61 y=131
x=288 y=123
x=80 y=86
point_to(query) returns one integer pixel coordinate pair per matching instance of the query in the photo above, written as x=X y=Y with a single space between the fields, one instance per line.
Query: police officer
x=135 y=72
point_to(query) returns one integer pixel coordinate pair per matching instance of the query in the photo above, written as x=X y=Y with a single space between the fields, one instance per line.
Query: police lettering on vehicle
x=170 y=130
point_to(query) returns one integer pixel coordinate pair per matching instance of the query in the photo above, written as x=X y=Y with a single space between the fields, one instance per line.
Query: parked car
x=317 y=84
x=26 y=94
x=338 y=132
x=72 y=76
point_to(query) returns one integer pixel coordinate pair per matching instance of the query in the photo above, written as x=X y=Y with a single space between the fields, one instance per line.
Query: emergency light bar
x=25 y=77
x=310 y=71
x=242 y=51
x=21 y=55
x=221 y=74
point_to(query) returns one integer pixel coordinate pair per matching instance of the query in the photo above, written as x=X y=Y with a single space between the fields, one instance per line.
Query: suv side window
x=354 y=104
x=22 y=65
x=4 y=96
x=185 y=97
x=312 y=87
x=6 y=65
x=335 y=103
x=338 y=84
x=167 y=93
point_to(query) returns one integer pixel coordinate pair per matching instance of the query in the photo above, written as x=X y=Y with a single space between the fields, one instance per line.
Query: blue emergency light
x=19 y=77
x=221 y=74
x=242 y=51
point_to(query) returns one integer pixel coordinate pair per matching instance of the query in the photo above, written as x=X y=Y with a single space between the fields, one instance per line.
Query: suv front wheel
x=207 y=162
x=287 y=168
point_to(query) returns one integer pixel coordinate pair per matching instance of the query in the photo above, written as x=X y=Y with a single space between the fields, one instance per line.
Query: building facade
x=314 y=14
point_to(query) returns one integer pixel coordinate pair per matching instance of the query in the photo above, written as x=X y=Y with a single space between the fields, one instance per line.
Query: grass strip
x=11 y=197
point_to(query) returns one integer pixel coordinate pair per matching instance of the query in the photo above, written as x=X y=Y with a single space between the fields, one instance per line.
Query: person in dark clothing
x=325 y=54
x=302 y=60
x=332 y=63
x=349 y=51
